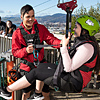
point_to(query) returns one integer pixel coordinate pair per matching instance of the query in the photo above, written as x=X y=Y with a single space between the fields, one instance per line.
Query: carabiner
x=36 y=63
x=56 y=88
x=35 y=52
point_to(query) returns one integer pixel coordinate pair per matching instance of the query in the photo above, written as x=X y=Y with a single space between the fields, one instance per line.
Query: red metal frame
x=71 y=5
x=68 y=7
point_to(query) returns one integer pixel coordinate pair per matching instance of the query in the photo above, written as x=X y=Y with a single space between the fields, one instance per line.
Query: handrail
x=5 y=43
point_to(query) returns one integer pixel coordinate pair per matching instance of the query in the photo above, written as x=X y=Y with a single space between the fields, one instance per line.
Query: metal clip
x=35 y=53
x=36 y=63
x=56 y=88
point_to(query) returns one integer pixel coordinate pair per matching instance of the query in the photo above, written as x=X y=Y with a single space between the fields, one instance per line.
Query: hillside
x=49 y=18
x=52 y=18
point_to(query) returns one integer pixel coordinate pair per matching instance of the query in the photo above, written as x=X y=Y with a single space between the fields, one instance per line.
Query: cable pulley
x=67 y=5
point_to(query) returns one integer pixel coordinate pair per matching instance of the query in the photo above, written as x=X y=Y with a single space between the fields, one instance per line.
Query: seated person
x=10 y=28
x=77 y=62
x=2 y=27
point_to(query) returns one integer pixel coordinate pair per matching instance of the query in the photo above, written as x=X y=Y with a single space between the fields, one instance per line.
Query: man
x=28 y=34
x=2 y=27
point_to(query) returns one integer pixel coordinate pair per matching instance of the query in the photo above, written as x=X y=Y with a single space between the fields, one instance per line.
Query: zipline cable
x=56 y=5
x=42 y=3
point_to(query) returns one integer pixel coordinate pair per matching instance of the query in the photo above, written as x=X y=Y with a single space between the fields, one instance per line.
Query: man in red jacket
x=28 y=34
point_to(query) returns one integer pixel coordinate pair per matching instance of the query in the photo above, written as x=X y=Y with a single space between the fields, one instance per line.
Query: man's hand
x=29 y=49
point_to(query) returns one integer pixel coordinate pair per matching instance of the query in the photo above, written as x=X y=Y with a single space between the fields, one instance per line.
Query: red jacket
x=18 y=41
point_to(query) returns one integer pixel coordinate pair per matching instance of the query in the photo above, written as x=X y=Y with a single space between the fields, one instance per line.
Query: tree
x=81 y=11
x=95 y=12
x=73 y=23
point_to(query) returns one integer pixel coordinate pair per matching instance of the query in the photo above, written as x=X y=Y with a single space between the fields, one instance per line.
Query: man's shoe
x=4 y=93
x=36 y=97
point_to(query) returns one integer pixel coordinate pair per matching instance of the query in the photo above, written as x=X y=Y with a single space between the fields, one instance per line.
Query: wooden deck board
x=73 y=96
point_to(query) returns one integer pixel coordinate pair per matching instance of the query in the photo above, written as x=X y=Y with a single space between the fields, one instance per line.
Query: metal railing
x=5 y=43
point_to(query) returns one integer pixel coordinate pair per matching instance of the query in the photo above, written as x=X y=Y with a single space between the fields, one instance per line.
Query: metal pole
x=0 y=81
x=67 y=21
x=70 y=18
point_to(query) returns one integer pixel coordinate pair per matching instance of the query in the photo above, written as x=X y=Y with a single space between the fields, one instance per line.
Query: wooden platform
x=73 y=96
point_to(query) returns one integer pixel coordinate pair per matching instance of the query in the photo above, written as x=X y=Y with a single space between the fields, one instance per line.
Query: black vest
x=31 y=38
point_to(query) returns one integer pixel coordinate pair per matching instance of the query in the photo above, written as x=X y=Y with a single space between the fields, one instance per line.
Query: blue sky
x=12 y=7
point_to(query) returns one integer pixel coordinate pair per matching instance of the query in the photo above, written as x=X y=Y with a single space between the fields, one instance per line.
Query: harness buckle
x=36 y=63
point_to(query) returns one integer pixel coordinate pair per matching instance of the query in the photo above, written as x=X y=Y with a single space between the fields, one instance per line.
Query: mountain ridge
x=58 y=17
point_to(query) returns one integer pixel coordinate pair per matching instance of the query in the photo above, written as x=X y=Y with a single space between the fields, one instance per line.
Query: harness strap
x=30 y=64
x=56 y=76
x=23 y=32
x=36 y=28
x=85 y=68
x=73 y=50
